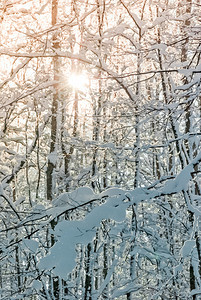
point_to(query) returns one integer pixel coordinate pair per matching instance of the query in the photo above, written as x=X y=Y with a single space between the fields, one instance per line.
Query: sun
x=78 y=81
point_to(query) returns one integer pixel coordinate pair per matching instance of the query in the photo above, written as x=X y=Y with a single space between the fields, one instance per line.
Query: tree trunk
x=54 y=109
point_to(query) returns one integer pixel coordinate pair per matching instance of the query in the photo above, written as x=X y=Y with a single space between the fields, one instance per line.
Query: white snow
x=63 y=254
x=186 y=72
x=187 y=248
x=72 y=199
x=37 y=285
x=140 y=23
x=30 y=244
x=162 y=47
x=53 y=157
x=158 y=21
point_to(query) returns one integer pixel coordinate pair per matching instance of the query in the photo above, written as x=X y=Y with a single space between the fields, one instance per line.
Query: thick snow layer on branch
x=162 y=47
x=195 y=292
x=187 y=248
x=30 y=244
x=63 y=254
x=140 y=23
x=72 y=199
x=70 y=233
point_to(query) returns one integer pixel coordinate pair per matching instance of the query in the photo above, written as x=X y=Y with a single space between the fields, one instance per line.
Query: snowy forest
x=100 y=154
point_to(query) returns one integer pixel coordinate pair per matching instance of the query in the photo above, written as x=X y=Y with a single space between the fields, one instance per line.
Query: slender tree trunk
x=190 y=150
x=50 y=187
x=97 y=105
x=68 y=154
x=54 y=109
x=88 y=279
x=137 y=166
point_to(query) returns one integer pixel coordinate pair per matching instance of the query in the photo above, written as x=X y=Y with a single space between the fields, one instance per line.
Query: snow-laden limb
x=129 y=288
x=66 y=54
x=83 y=194
x=138 y=22
x=29 y=92
x=22 y=161
x=63 y=254
x=15 y=71
x=162 y=47
x=195 y=292
x=31 y=245
x=9 y=202
x=188 y=248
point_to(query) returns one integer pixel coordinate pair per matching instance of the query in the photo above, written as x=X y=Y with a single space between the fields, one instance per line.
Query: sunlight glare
x=78 y=81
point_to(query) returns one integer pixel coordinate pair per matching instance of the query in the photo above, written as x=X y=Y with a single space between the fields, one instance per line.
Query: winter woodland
x=100 y=156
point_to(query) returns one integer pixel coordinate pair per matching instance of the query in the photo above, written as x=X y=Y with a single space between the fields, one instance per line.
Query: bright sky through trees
x=78 y=81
